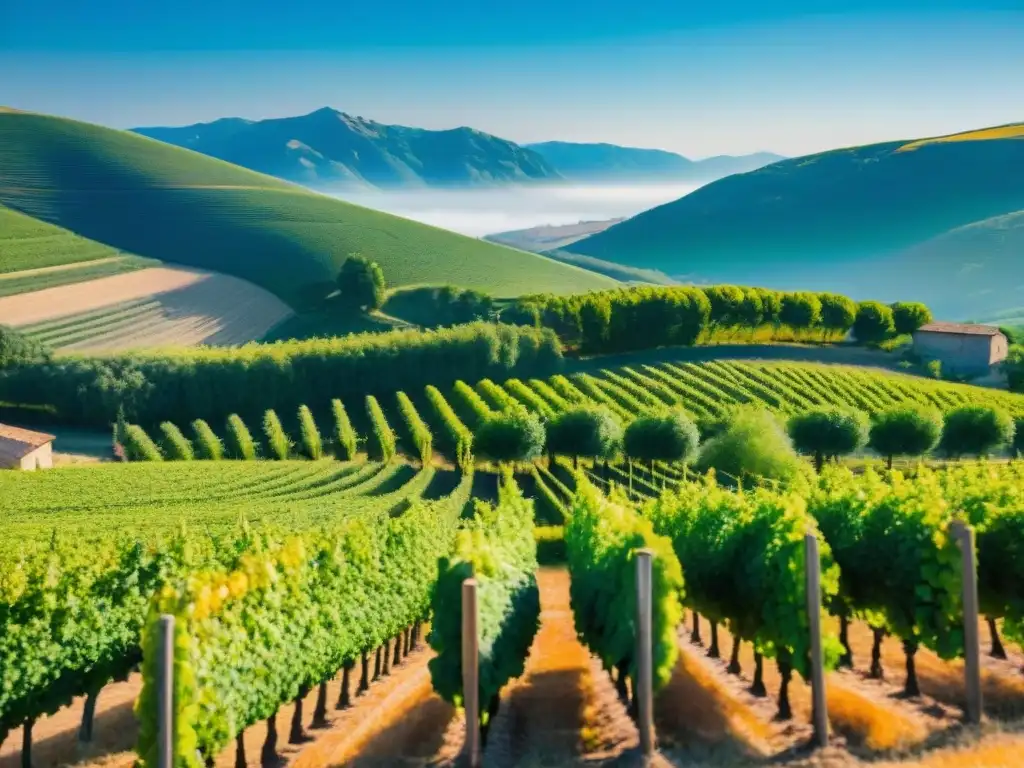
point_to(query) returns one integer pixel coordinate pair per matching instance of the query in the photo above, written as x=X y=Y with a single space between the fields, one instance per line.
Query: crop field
x=30 y=280
x=28 y=243
x=160 y=306
x=163 y=202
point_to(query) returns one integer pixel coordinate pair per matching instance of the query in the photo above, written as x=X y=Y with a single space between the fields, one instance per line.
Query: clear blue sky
x=793 y=76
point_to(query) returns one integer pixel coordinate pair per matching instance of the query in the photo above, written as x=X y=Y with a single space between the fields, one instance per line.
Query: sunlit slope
x=152 y=199
x=27 y=243
x=860 y=220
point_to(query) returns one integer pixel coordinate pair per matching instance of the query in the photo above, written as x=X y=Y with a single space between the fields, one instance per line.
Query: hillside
x=331 y=148
x=608 y=163
x=929 y=220
x=154 y=200
x=550 y=237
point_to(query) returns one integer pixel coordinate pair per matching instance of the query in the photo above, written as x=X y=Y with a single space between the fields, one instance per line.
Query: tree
x=976 y=430
x=752 y=444
x=668 y=437
x=908 y=316
x=874 y=322
x=514 y=434
x=1013 y=367
x=825 y=432
x=907 y=430
x=800 y=310
x=584 y=430
x=16 y=347
x=361 y=283
x=838 y=313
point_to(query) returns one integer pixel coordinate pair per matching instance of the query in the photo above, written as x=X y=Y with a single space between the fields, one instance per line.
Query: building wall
x=960 y=352
x=40 y=458
x=1000 y=349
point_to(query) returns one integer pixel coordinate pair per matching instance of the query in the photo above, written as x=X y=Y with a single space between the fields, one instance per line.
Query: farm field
x=163 y=202
x=29 y=280
x=28 y=243
x=157 y=306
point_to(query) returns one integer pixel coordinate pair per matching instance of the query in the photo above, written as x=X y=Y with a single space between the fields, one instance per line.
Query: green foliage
x=874 y=322
x=361 y=283
x=433 y=307
x=976 y=430
x=418 y=430
x=934 y=368
x=1013 y=367
x=669 y=436
x=278 y=444
x=550 y=544
x=138 y=446
x=753 y=444
x=457 y=434
x=16 y=348
x=175 y=445
x=584 y=430
x=239 y=442
x=208 y=446
x=512 y=435
x=497 y=549
x=906 y=430
x=474 y=408
x=345 y=439
x=1018 y=435
x=800 y=310
x=212 y=382
x=601 y=540
x=383 y=444
x=309 y=434
x=908 y=316
x=828 y=432
x=838 y=313
x=303 y=604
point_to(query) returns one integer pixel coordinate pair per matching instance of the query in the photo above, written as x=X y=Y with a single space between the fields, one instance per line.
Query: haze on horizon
x=792 y=77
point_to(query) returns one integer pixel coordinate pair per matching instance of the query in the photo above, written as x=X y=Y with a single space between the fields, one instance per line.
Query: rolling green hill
x=934 y=220
x=151 y=199
x=328 y=147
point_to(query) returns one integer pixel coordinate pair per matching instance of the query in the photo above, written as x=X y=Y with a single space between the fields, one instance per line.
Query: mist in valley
x=484 y=211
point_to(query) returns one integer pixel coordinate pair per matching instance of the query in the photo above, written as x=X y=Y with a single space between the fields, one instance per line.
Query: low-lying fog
x=478 y=212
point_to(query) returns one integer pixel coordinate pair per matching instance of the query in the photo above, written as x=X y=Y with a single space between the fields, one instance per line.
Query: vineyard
x=288 y=576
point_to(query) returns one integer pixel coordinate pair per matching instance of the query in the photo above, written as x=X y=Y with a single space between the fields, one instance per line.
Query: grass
x=14 y=283
x=152 y=199
x=1012 y=131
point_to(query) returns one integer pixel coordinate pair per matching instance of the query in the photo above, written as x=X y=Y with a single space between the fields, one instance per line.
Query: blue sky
x=792 y=76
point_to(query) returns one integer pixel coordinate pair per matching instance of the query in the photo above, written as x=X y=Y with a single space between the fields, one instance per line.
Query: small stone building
x=961 y=348
x=25 y=449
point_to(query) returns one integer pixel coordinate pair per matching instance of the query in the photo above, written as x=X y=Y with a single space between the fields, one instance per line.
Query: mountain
x=549 y=237
x=152 y=199
x=608 y=163
x=331 y=148
x=936 y=220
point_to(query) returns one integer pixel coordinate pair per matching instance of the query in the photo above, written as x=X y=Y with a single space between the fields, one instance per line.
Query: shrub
x=240 y=444
x=208 y=445
x=826 y=432
x=934 y=368
x=800 y=310
x=383 y=442
x=278 y=444
x=976 y=430
x=874 y=322
x=16 y=347
x=511 y=435
x=176 y=446
x=753 y=444
x=838 y=313
x=345 y=437
x=907 y=430
x=312 y=446
x=138 y=446
x=361 y=283
x=670 y=437
x=908 y=316
x=418 y=430
x=1013 y=367
x=586 y=431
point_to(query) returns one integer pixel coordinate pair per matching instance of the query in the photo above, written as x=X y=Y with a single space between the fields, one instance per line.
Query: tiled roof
x=27 y=437
x=963 y=329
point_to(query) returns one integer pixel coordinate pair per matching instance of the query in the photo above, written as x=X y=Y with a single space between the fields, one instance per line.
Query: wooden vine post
x=471 y=671
x=644 y=664
x=972 y=651
x=819 y=708
x=165 y=694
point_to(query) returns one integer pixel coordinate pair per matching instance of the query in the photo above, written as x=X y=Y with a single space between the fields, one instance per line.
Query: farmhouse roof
x=16 y=443
x=961 y=329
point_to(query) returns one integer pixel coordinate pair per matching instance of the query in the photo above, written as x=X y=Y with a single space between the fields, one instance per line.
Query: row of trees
x=642 y=317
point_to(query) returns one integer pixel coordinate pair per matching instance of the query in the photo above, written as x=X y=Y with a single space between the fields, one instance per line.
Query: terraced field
x=29 y=280
x=155 y=200
x=153 y=307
